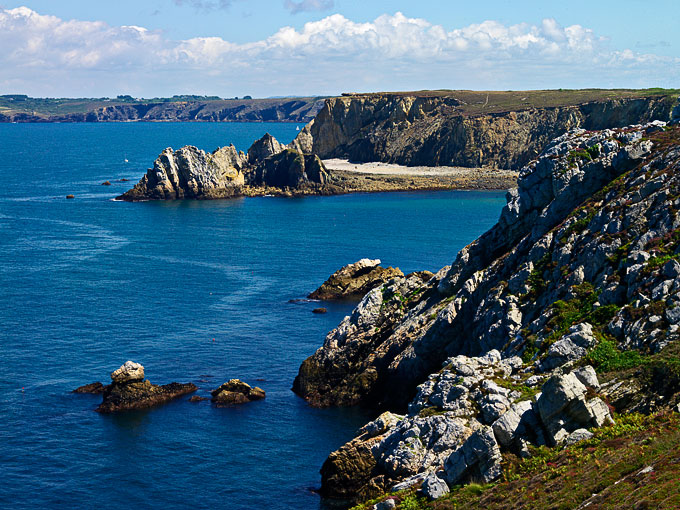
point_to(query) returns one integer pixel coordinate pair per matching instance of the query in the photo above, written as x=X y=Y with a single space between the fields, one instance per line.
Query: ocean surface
x=196 y=292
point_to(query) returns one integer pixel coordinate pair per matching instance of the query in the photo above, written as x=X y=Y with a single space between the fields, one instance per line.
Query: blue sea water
x=195 y=291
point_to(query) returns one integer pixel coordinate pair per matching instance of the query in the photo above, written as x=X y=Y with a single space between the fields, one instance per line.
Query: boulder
x=571 y=347
x=236 y=391
x=434 y=487
x=128 y=372
x=320 y=310
x=563 y=407
x=355 y=280
x=478 y=459
x=577 y=436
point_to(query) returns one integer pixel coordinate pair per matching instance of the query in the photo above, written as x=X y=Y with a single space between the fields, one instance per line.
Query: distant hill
x=185 y=108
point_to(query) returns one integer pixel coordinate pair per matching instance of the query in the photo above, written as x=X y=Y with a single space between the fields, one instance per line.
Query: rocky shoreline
x=559 y=320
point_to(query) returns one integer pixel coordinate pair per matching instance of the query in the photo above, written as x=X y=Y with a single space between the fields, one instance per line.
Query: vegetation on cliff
x=567 y=311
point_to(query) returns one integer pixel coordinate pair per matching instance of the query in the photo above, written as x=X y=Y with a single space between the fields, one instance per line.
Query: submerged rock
x=353 y=281
x=95 y=388
x=236 y=391
x=128 y=390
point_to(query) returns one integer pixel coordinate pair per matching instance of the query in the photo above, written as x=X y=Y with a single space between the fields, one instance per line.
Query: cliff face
x=233 y=110
x=439 y=130
x=519 y=340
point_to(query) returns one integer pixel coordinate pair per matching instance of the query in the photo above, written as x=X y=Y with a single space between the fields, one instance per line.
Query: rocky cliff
x=568 y=303
x=222 y=110
x=454 y=129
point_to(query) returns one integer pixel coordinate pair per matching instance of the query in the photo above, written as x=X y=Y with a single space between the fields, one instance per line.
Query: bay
x=195 y=291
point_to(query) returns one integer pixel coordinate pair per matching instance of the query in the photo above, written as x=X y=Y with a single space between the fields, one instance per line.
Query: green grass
x=609 y=465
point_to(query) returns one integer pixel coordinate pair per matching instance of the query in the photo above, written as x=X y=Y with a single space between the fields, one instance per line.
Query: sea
x=196 y=291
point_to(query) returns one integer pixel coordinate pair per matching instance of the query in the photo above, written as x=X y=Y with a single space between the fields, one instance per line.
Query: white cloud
x=45 y=55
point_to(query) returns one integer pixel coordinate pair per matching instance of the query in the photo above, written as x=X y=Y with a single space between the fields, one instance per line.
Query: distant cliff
x=300 y=110
x=471 y=129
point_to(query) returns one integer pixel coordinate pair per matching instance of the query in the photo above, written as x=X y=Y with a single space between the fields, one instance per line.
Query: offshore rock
x=236 y=391
x=355 y=280
x=191 y=173
x=128 y=390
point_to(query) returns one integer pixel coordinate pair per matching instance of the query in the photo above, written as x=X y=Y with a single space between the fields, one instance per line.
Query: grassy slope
x=477 y=102
x=605 y=472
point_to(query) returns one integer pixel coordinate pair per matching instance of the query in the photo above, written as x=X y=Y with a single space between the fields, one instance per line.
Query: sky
x=264 y=48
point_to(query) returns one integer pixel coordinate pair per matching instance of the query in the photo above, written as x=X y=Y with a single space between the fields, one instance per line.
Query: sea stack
x=129 y=390
x=236 y=391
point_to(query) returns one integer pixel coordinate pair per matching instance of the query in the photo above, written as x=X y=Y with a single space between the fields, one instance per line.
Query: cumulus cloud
x=45 y=55
x=308 y=5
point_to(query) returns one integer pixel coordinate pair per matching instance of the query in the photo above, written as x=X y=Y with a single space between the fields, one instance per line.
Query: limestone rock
x=191 y=173
x=563 y=407
x=434 y=487
x=236 y=391
x=355 y=280
x=577 y=436
x=128 y=372
x=263 y=148
x=570 y=347
x=478 y=459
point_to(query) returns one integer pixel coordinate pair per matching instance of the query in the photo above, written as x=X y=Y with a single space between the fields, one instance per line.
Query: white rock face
x=128 y=372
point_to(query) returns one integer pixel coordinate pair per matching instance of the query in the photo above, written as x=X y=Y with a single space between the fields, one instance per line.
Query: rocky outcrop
x=354 y=280
x=129 y=390
x=236 y=391
x=191 y=173
x=263 y=148
x=290 y=169
x=543 y=257
x=338 y=374
x=457 y=427
x=582 y=267
x=434 y=130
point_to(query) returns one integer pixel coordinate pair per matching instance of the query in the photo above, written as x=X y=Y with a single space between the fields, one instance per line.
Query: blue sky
x=298 y=47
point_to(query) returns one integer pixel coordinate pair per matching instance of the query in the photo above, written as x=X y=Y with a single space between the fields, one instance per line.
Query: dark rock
x=236 y=391
x=353 y=281
x=320 y=310
x=95 y=388
x=290 y=169
x=263 y=148
x=106 y=183
x=70 y=196
x=196 y=398
x=128 y=391
x=123 y=180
